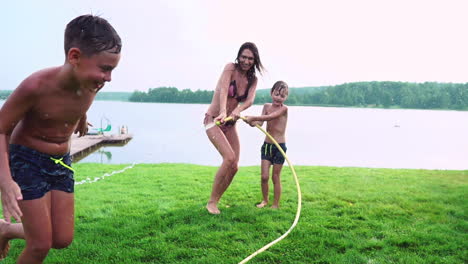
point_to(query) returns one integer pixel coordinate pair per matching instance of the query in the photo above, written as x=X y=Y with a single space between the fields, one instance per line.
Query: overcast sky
x=186 y=43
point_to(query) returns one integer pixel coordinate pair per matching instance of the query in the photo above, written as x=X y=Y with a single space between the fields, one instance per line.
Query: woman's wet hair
x=257 y=62
x=91 y=34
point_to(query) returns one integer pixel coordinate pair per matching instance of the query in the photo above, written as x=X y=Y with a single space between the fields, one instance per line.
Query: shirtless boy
x=276 y=116
x=36 y=124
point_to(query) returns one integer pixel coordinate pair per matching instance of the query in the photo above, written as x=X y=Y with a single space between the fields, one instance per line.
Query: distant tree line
x=429 y=95
x=172 y=95
x=113 y=96
x=4 y=94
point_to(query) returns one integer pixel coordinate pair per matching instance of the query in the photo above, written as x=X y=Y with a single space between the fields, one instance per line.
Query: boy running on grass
x=36 y=124
x=276 y=115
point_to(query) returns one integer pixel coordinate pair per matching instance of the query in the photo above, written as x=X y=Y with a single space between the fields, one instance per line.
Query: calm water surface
x=355 y=137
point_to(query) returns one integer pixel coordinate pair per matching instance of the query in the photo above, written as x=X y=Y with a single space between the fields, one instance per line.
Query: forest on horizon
x=428 y=95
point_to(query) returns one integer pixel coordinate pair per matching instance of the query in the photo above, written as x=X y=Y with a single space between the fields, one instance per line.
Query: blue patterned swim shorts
x=36 y=173
x=271 y=153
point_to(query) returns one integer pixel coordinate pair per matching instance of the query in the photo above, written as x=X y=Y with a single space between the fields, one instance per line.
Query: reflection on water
x=106 y=154
x=101 y=153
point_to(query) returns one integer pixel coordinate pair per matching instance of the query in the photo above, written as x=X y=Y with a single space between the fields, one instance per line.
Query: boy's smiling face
x=279 y=96
x=93 y=71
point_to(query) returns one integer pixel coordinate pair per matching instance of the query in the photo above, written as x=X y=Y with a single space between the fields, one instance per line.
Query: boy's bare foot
x=4 y=242
x=212 y=208
x=274 y=207
x=262 y=204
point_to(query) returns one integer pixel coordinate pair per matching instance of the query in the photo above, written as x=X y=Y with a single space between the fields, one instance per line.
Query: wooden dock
x=82 y=146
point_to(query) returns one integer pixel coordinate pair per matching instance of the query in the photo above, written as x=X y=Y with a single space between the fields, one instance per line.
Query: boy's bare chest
x=271 y=109
x=61 y=109
x=280 y=120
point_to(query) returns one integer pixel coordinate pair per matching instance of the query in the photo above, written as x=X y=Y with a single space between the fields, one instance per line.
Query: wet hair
x=257 y=62
x=91 y=34
x=279 y=85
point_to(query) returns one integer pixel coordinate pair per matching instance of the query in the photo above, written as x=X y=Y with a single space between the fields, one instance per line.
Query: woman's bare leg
x=227 y=169
x=233 y=138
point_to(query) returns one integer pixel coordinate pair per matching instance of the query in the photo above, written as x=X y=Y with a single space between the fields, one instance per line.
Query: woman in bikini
x=236 y=85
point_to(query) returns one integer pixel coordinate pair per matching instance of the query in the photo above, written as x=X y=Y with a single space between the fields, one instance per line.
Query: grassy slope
x=154 y=213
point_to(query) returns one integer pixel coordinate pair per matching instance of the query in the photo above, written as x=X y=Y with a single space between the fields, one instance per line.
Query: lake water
x=379 y=138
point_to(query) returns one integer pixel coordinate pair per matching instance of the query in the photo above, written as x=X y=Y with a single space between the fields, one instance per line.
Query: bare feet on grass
x=212 y=208
x=262 y=204
x=275 y=206
x=4 y=242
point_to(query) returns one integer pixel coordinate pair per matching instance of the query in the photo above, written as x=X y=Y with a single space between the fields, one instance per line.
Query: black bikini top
x=232 y=92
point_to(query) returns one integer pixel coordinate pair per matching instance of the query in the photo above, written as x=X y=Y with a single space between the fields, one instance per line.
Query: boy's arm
x=12 y=111
x=10 y=191
x=82 y=127
x=270 y=116
x=249 y=119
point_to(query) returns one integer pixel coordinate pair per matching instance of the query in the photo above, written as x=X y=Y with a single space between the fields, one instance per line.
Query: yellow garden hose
x=299 y=196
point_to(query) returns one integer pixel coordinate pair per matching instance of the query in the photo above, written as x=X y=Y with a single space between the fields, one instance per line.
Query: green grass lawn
x=154 y=213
